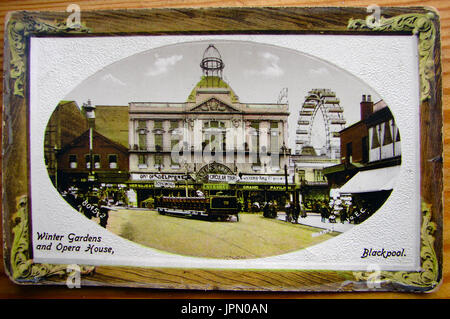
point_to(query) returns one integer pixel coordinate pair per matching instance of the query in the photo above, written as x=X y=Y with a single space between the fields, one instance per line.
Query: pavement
x=314 y=220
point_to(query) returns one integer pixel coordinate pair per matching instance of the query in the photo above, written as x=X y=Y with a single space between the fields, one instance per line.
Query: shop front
x=255 y=195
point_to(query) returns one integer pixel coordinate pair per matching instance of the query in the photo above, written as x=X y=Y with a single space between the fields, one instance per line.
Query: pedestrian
x=266 y=210
x=296 y=213
x=343 y=214
x=287 y=209
x=303 y=212
x=103 y=212
x=322 y=214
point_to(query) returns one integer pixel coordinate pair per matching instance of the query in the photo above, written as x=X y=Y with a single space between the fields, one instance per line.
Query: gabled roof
x=79 y=141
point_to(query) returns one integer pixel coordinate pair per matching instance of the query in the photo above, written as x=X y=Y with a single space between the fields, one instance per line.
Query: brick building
x=110 y=161
x=66 y=123
x=370 y=157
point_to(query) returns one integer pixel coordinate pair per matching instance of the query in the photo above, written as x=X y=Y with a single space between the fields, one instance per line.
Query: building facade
x=370 y=158
x=108 y=165
x=211 y=141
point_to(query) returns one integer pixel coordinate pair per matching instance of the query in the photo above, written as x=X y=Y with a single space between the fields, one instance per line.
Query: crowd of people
x=94 y=203
x=341 y=211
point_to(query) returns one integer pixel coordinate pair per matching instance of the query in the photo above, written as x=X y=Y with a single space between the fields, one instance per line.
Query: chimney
x=366 y=107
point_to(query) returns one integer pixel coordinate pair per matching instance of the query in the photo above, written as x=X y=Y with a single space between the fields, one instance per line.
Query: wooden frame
x=16 y=209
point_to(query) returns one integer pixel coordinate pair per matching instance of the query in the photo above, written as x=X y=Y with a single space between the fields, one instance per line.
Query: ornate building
x=212 y=140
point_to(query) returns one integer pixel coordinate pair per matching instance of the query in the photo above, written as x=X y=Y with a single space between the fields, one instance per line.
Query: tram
x=212 y=207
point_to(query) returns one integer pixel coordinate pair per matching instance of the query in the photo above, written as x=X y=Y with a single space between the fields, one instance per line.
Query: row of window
x=209 y=137
x=318 y=175
x=112 y=161
x=214 y=140
x=174 y=124
x=158 y=162
x=377 y=131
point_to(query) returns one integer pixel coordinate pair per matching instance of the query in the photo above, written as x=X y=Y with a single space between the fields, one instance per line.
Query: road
x=252 y=237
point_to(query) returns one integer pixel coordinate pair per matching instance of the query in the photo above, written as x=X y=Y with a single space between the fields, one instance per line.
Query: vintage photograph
x=245 y=148
x=223 y=149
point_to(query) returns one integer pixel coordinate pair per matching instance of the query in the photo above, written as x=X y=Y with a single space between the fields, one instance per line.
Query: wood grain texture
x=9 y=290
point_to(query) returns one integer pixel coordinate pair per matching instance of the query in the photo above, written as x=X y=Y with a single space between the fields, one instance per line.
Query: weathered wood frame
x=423 y=22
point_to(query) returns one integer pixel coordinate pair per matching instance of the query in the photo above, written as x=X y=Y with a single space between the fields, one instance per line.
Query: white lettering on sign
x=158 y=177
x=222 y=178
x=276 y=179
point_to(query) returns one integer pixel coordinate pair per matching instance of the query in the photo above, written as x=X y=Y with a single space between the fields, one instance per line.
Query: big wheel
x=325 y=101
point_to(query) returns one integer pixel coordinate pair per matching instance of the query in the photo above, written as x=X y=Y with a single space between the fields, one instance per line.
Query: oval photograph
x=223 y=149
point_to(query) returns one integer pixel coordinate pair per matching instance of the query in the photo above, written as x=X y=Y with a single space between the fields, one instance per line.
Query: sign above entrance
x=275 y=179
x=222 y=178
x=164 y=184
x=157 y=177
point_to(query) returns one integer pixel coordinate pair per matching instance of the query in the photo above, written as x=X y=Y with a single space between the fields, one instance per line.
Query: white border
x=389 y=64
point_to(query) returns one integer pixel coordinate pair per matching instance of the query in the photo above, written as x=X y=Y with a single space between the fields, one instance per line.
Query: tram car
x=211 y=208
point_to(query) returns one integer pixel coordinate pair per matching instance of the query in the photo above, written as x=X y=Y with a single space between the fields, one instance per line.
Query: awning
x=374 y=180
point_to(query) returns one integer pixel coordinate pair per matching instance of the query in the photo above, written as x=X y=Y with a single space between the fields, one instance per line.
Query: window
x=174 y=161
x=318 y=175
x=301 y=174
x=158 y=161
x=274 y=145
x=387 y=134
x=349 y=152
x=375 y=140
x=142 y=161
x=73 y=161
x=173 y=125
x=397 y=137
x=87 y=159
x=96 y=161
x=158 y=125
x=112 y=159
x=254 y=125
x=142 y=135
x=158 y=142
x=365 y=149
x=214 y=124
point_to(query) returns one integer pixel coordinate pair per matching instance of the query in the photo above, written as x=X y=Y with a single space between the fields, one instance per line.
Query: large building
x=311 y=184
x=107 y=163
x=211 y=141
x=370 y=157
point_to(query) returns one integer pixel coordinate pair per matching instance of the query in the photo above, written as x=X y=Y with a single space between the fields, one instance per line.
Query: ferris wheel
x=326 y=101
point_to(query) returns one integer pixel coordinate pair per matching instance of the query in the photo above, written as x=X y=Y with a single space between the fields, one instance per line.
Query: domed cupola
x=212 y=81
x=212 y=64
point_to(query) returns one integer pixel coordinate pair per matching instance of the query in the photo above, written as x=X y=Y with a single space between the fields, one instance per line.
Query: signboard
x=272 y=179
x=157 y=177
x=210 y=186
x=141 y=185
x=164 y=184
x=222 y=178
x=250 y=187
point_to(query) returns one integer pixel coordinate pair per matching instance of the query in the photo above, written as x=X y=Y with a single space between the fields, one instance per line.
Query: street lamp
x=89 y=110
x=285 y=149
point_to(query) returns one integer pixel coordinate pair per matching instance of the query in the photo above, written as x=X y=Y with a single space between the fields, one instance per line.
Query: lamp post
x=89 y=110
x=285 y=149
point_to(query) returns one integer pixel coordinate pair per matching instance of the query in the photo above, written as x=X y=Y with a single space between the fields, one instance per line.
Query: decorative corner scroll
x=425 y=279
x=420 y=24
x=18 y=30
x=23 y=267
